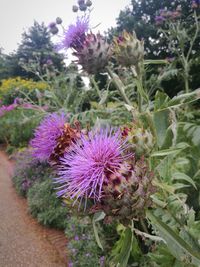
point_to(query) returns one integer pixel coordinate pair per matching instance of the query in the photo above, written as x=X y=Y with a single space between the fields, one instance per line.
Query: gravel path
x=23 y=242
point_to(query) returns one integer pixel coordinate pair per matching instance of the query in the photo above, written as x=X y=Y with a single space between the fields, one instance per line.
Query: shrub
x=28 y=171
x=18 y=87
x=44 y=205
x=16 y=127
x=82 y=245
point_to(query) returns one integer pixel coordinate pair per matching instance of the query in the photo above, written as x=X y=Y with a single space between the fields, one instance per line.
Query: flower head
x=46 y=135
x=87 y=166
x=75 y=34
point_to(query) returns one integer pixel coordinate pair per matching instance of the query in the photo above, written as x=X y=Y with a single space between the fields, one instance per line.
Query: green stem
x=119 y=85
x=95 y=86
x=186 y=81
x=139 y=103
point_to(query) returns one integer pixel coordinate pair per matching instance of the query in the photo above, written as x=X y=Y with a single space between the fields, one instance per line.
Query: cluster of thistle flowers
x=165 y=15
x=93 y=52
x=97 y=170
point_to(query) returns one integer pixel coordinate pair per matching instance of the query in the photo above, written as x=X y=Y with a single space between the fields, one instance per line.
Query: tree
x=35 y=48
x=140 y=17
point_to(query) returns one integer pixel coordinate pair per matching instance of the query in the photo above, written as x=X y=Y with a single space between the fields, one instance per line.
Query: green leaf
x=155 y=61
x=161 y=122
x=183 y=176
x=122 y=249
x=97 y=217
x=176 y=245
x=161 y=100
x=170 y=151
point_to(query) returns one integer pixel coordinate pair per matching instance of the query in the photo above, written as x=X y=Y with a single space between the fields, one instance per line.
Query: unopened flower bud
x=75 y=8
x=83 y=7
x=58 y=20
x=52 y=25
x=81 y=2
x=54 y=30
x=88 y=3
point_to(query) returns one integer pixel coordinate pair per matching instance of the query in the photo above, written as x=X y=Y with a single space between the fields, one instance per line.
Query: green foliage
x=28 y=171
x=44 y=205
x=140 y=17
x=16 y=127
x=83 y=249
x=36 y=44
x=13 y=88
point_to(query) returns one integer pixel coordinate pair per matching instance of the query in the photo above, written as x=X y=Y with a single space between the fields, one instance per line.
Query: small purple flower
x=86 y=167
x=102 y=261
x=70 y=264
x=4 y=109
x=195 y=4
x=159 y=20
x=76 y=238
x=75 y=34
x=46 y=135
x=49 y=62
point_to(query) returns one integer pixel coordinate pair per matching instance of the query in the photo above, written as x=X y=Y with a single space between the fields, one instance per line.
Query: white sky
x=18 y=15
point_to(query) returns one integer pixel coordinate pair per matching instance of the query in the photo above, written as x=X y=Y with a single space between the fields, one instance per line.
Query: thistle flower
x=46 y=135
x=69 y=136
x=75 y=34
x=87 y=166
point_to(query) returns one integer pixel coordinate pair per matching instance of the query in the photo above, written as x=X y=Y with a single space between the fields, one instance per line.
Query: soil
x=23 y=242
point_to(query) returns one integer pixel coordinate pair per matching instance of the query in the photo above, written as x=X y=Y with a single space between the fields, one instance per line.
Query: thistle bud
x=95 y=53
x=81 y=2
x=128 y=193
x=52 y=25
x=83 y=7
x=75 y=8
x=127 y=49
x=58 y=20
x=88 y=3
x=140 y=139
x=54 y=30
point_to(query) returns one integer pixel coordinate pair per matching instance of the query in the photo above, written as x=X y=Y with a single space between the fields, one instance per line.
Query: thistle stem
x=92 y=80
x=119 y=85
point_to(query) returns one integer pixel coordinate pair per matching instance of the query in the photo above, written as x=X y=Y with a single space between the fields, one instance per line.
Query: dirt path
x=23 y=242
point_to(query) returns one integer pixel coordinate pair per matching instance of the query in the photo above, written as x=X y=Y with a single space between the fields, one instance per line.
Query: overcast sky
x=18 y=15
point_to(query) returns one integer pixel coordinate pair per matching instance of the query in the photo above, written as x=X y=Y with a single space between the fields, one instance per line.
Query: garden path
x=23 y=242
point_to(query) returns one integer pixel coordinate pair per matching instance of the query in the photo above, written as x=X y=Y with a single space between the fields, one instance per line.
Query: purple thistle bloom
x=46 y=135
x=86 y=167
x=75 y=34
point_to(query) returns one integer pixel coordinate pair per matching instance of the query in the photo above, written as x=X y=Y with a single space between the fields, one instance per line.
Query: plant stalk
x=119 y=85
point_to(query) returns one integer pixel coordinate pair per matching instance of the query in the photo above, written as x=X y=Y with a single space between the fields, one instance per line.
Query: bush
x=28 y=171
x=18 y=87
x=82 y=245
x=44 y=205
x=16 y=127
